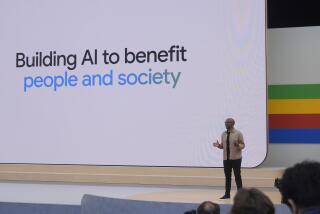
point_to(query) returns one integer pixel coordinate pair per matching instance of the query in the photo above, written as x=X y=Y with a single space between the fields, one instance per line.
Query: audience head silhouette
x=300 y=187
x=252 y=201
x=208 y=207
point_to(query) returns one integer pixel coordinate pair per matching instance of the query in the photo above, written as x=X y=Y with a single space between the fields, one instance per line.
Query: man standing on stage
x=232 y=144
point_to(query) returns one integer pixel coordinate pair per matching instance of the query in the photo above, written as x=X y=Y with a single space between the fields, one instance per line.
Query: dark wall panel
x=293 y=13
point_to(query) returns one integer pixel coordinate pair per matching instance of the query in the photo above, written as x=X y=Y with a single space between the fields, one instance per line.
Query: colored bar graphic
x=294 y=113
x=294 y=121
x=294 y=135
x=294 y=106
x=304 y=91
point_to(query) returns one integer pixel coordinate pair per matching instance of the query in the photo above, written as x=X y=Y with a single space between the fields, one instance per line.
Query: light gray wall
x=284 y=155
x=293 y=58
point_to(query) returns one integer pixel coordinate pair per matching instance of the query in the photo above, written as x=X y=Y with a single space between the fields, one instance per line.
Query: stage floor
x=186 y=185
x=200 y=195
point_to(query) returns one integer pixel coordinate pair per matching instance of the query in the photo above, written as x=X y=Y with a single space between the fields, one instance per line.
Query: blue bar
x=294 y=135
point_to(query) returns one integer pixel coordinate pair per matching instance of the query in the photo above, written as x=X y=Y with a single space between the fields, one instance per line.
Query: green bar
x=304 y=91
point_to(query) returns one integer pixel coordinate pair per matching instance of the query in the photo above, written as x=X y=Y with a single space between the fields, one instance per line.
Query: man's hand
x=239 y=144
x=216 y=144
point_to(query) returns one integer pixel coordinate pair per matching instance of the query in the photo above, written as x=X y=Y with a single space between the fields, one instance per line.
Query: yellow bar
x=294 y=106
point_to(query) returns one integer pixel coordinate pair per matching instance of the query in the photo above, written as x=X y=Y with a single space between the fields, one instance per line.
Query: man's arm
x=240 y=144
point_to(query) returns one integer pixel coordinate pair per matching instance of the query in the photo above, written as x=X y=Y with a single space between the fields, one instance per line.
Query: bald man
x=232 y=144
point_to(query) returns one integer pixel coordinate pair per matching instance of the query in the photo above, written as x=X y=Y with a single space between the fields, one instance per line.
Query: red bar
x=294 y=120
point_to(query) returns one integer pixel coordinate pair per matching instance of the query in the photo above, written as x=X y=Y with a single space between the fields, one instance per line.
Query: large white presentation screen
x=139 y=82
